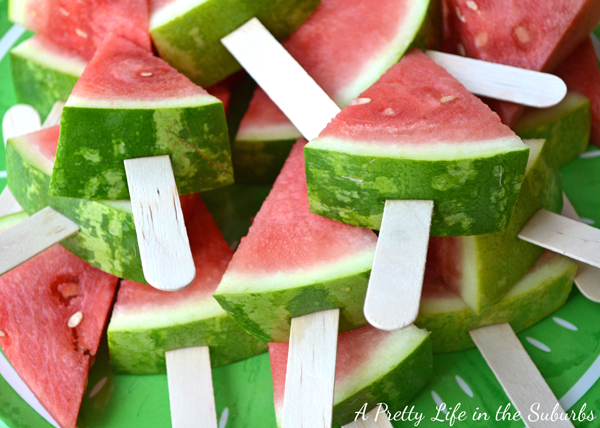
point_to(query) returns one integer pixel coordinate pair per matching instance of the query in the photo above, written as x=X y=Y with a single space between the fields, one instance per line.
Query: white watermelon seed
x=481 y=39
x=447 y=99
x=145 y=74
x=522 y=34
x=462 y=18
x=2 y=334
x=388 y=111
x=64 y=11
x=472 y=5
x=461 y=49
x=81 y=33
x=359 y=101
x=75 y=319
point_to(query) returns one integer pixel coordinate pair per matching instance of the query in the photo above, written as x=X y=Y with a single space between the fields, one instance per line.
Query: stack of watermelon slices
x=550 y=276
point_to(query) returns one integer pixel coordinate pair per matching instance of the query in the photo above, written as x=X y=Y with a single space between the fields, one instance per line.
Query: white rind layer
x=234 y=283
x=171 y=11
x=433 y=151
x=194 y=101
x=277 y=132
x=63 y=62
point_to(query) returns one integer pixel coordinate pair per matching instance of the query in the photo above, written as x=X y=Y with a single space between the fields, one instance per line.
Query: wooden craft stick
x=165 y=251
x=310 y=376
x=503 y=82
x=564 y=236
x=53 y=117
x=587 y=278
x=32 y=236
x=8 y=203
x=376 y=418
x=19 y=120
x=394 y=290
x=191 y=392
x=517 y=374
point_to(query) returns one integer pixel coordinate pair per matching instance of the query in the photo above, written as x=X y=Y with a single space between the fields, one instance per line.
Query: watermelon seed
x=481 y=39
x=75 y=319
x=522 y=34
x=461 y=49
x=81 y=33
x=359 y=101
x=2 y=334
x=64 y=11
x=145 y=74
x=388 y=111
x=462 y=18
x=472 y=5
x=447 y=99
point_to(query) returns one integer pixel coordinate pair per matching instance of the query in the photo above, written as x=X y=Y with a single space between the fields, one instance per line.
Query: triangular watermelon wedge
x=293 y=262
x=53 y=309
x=130 y=104
x=417 y=134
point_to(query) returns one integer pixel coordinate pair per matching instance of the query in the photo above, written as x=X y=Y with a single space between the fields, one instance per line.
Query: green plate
x=565 y=346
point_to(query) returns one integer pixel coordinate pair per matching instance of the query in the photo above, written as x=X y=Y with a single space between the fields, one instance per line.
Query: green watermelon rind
x=10 y=220
x=543 y=290
x=267 y=311
x=474 y=191
x=138 y=341
x=107 y=237
x=566 y=127
x=196 y=50
x=41 y=76
x=493 y=263
x=195 y=138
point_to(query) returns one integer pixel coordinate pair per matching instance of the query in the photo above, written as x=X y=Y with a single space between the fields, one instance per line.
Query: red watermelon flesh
x=342 y=46
x=81 y=26
x=211 y=257
x=287 y=237
x=536 y=35
x=37 y=299
x=400 y=110
x=581 y=73
x=122 y=71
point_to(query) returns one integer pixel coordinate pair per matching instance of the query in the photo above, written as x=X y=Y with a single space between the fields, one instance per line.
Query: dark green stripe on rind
x=267 y=315
x=94 y=142
x=192 y=42
x=143 y=351
x=107 y=238
x=400 y=385
x=450 y=329
x=259 y=162
x=472 y=196
x=565 y=127
x=38 y=85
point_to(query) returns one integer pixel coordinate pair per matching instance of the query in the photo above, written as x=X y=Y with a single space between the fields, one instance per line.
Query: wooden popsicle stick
x=8 y=203
x=32 y=236
x=53 y=117
x=376 y=418
x=503 y=82
x=517 y=374
x=564 y=236
x=165 y=251
x=191 y=392
x=587 y=278
x=310 y=376
x=19 y=120
x=395 y=284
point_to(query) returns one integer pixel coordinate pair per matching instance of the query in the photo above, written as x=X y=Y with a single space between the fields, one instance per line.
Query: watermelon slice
x=44 y=73
x=81 y=27
x=294 y=262
x=107 y=237
x=522 y=33
x=539 y=293
x=417 y=134
x=373 y=366
x=53 y=309
x=580 y=72
x=187 y=34
x=482 y=268
x=147 y=322
x=130 y=104
x=565 y=127
x=344 y=65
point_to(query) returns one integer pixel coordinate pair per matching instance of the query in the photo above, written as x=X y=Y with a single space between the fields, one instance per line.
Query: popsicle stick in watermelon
x=587 y=279
x=504 y=353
